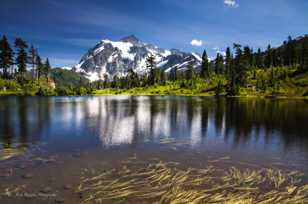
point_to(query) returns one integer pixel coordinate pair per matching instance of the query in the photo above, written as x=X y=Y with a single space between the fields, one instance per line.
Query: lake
x=146 y=149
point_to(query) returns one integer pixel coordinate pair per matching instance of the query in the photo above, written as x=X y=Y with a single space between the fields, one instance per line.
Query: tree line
x=14 y=61
x=233 y=66
x=237 y=67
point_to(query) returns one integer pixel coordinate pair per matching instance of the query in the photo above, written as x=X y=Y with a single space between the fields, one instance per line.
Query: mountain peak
x=131 y=38
x=116 y=58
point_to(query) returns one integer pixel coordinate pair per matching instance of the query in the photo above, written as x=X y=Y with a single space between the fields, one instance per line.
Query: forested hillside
x=240 y=70
x=24 y=72
x=280 y=71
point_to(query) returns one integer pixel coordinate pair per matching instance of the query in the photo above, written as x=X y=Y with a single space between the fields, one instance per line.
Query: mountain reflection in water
x=115 y=120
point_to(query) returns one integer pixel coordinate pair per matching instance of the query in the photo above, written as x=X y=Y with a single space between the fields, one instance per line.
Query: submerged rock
x=46 y=190
x=20 y=166
x=68 y=187
x=27 y=176
x=59 y=200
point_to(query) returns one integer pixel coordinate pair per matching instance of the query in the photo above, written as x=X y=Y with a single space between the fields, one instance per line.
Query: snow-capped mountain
x=117 y=57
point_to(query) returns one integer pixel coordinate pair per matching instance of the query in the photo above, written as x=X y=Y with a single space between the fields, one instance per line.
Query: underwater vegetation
x=166 y=182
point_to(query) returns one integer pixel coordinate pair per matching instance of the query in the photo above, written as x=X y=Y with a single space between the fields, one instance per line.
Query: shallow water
x=50 y=145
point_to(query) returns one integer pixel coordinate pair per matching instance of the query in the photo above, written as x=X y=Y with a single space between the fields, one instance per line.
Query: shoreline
x=11 y=93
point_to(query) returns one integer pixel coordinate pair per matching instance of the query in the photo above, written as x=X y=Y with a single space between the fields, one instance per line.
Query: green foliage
x=6 y=57
x=205 y=66
x=21 y=59
x=151 y=65
x=82 y=91
x=11 y=85
x=63 y=77
x=219 y=64
x=71 y=91
x=273 y=72
x=30 y=89
x=45 y=89
x=64 y=91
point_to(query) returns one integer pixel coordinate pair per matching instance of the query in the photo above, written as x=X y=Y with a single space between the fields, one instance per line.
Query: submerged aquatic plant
x=9 y=153
x=166 y=182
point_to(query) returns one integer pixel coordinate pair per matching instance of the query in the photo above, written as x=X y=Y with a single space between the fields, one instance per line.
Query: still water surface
x=190 y=130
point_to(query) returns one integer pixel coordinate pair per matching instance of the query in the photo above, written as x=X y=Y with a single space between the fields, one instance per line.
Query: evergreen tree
x=21 y=59
x=205 y=65
x=174 y=74
x=252 y=59
x=6 y=56
x=162 y=77
x=228 y=61
x=274 y=58
x=304 y=56
x=233 y=87
x=291 y=51
x=47 y=68
x=241 y=63
x=259 y=61
x=151 y=65
x=290 y=55
x=219 y=64
x=285 y=56
x=189 y=74
x=246 y=60
x=268 y=57
x=32 y=60
x=39 y=67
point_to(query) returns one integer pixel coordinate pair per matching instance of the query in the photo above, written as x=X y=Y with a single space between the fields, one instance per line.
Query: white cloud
x=216 y=48
x=196 y=42
x=223 y=53
x=219 y=51
x=231 y=3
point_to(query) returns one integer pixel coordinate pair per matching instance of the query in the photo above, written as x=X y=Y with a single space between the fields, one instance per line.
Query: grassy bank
x=168 y=89
x=164 y=91
x=11 y=93
x=287 y=84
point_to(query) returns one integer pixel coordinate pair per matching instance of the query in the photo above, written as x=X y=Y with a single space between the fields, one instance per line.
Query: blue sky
x=64 y=30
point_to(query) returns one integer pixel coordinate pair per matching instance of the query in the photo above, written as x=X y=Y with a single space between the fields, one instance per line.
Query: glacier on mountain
x=115 y=58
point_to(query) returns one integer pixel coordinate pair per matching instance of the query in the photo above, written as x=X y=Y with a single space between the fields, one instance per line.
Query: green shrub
x=11 y=85
x=30 y=89
x=2 y=84
x=82 y=91
x=64 y=91
x=45 y=91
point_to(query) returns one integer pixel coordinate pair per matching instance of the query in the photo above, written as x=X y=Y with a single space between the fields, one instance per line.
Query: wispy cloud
x=196 y=42
x=231 y=3
x=63 y=62
x=81 y=42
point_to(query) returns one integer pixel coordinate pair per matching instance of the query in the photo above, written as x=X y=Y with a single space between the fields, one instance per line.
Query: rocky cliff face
x=117 y=57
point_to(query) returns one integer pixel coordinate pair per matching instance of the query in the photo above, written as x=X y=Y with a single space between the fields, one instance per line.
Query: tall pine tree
x=228 y=61
x=205 y=67
x=47 y=69
x=304 y=56
x=247 y=56
x=21 y=59
x=6 y=57
x=268 y=57
x=39 y=67
x=219 y=64
x=32 y=60
x=151 y=65
x=259 y=59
